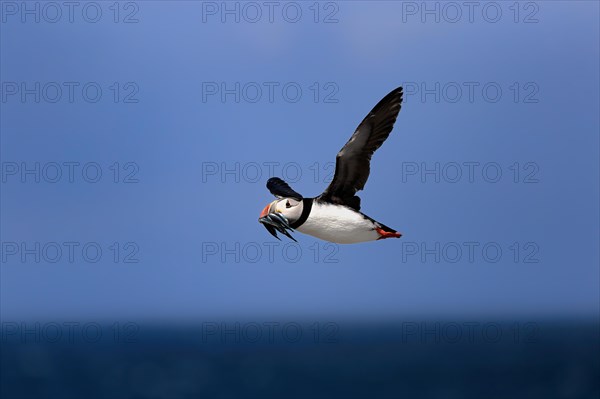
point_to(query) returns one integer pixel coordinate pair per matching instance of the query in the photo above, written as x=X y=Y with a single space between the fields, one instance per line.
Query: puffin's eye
x=287 y=204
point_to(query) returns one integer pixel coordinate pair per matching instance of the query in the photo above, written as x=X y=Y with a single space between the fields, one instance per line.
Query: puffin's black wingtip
x=273 y=180
x=397 y=92
x=279 y=188
x=392 y=99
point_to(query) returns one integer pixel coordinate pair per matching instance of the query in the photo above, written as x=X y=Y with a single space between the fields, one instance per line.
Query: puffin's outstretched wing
x=281 y=189
x=352 y=164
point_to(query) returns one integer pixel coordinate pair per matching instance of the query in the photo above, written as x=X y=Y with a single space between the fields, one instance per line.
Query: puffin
x=335 y=215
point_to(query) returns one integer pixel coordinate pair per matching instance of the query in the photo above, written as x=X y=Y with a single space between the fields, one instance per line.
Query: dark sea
x=292 y=360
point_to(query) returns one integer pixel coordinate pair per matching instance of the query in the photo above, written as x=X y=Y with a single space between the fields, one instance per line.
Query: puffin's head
x=284 y=211
x=279 y=214
x=290 y=208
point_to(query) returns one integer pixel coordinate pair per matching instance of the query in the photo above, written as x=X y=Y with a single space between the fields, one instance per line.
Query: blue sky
x=196 y=161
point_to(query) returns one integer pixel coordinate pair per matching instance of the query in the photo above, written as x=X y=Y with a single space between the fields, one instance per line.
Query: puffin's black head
x=278 y=215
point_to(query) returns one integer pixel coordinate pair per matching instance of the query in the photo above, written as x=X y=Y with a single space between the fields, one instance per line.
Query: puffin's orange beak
x=274 y=221
x=265 y=211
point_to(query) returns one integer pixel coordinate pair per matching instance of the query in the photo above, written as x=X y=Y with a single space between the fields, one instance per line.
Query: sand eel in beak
x=275 y=222
x=335 y=214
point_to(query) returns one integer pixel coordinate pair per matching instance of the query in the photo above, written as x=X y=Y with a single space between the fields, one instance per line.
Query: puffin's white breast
x=339 y=224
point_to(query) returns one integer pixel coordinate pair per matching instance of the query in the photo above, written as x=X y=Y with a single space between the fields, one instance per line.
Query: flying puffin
x=335 y=214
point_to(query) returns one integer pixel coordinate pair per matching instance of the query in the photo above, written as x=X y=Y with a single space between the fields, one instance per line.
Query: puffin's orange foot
x=387 y=234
